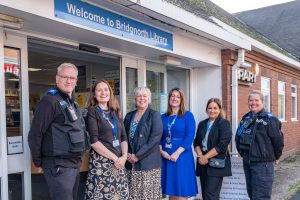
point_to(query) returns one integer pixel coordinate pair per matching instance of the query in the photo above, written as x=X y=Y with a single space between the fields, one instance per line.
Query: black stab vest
x=65 y=140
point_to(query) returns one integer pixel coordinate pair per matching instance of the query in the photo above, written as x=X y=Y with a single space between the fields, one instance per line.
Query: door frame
x=15 y=163
x=135 y=63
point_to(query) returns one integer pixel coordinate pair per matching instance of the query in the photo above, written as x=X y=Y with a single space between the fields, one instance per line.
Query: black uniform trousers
x=62 y=182
x=259 y=178
x=210 y=185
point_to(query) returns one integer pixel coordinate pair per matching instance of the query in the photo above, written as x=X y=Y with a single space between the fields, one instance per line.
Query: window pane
x=294 y=90
x=155 y=82
x=265 y=84
x=131 y=84
x=178 y=77
x=12 y=68
x=15 y=188
x=266 y=102
x=281 y=87
x=281 y=106
x=294 y=107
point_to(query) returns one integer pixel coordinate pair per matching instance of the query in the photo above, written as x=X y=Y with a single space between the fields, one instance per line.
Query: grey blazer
x=146 y=140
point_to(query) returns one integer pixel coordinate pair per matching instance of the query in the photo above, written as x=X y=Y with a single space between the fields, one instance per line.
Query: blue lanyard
x=113 y=124
x=208 y=126
x=170 y=125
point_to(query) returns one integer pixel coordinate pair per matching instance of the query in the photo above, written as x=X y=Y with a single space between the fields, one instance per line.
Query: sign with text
x=91 y=16
x=246 y=76
x=11 y=68
x=234 y=187
x=14 y=145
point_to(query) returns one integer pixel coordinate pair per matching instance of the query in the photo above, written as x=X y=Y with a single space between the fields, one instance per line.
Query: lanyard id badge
x=116 y=143
x=168 y=144
x=113 y=125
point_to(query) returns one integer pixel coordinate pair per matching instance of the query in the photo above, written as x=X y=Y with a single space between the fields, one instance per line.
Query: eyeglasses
x=65 y=78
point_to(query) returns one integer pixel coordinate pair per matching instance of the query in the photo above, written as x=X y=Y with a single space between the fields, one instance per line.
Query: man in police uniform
x=57 y=137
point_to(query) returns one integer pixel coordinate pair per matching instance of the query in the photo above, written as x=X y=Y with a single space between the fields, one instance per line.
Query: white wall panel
x=205 y=84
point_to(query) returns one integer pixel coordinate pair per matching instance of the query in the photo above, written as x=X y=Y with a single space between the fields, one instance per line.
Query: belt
x=175 y=139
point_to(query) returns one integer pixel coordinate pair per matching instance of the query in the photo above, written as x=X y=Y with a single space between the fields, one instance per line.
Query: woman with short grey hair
x=144 y=130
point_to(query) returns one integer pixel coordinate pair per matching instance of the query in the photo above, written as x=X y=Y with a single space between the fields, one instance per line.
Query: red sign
x=13 y=69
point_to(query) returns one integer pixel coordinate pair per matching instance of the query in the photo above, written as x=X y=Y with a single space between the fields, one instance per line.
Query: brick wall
x=276 y=71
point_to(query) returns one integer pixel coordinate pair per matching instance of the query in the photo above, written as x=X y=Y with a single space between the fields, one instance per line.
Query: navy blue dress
x=179 y=178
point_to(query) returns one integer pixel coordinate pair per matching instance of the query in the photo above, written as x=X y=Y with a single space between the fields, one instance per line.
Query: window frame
x=266 y=91
x=294 y=95
x=282 y=93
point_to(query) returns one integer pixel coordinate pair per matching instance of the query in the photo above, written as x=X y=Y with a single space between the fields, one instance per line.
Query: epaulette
x=270 y=115
x=53 y=91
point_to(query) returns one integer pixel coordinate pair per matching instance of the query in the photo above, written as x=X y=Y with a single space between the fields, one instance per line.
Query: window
x=294 y=102
x=281 y=100
x=155 y=80
x=265 y=90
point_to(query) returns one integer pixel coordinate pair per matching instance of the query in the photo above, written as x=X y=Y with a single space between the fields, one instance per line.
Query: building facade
x=129 y=43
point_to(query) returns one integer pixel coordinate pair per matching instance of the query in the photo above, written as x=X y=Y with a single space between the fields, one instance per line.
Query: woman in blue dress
x=178 y=176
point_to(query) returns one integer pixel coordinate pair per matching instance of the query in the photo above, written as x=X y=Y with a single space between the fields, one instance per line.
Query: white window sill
x=282 y=120
x=294 y=120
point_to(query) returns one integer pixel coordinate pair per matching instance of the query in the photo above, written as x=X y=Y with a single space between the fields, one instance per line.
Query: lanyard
x=208 y=126
x=204 y=141
x=170 y=125
x=113 y=124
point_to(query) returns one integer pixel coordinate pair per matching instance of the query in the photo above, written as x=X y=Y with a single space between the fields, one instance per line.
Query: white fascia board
x=198 y=24
x=260 y=47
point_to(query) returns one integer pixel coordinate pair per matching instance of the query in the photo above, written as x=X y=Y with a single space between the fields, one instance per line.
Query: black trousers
x=210 y=185
x=62 y=182
x=259 y=179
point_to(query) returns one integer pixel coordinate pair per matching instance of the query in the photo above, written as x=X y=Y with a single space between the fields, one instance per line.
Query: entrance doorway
x=43 y=60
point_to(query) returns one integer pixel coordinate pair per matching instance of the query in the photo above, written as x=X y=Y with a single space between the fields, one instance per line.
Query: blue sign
x=91 y=16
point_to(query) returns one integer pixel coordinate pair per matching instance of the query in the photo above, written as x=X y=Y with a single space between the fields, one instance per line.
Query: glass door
x=156 y=82
x=133 y=75
x=15 y=158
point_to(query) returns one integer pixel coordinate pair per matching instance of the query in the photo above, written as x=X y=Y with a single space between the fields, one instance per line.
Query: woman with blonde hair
x=144 y=130
x=259 y=141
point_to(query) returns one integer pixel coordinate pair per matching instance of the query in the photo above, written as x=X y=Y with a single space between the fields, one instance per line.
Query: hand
x=132 y=158
x=39 y=170
x=117 y=163
x=122 y=160
x=165 y=155
x=175 y=156
x=277 y=162
x=129 y=158
x=203 y=160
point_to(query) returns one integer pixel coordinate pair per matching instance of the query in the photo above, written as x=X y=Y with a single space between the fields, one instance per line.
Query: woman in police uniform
x=260 y=142
x=107 y=178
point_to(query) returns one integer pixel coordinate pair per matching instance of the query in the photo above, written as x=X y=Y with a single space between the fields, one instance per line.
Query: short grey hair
x=256 y=92
x=67 y=65
x=139 y=90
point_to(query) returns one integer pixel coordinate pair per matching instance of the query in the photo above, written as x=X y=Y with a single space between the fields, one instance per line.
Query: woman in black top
x=213 y=136
x=260 y=142
x=107 y=177
x=144 y=130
